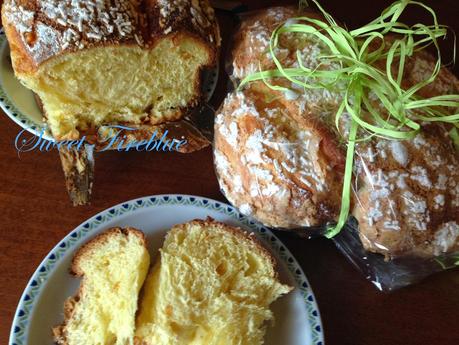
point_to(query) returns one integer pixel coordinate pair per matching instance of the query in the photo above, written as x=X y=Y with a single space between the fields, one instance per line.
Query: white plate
x=41 y=305
x=19 y=103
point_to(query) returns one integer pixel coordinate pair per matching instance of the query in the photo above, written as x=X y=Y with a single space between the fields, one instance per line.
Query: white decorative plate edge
x=9 y=106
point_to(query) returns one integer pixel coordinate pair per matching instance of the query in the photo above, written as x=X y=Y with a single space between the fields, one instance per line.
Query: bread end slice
x=113 y=267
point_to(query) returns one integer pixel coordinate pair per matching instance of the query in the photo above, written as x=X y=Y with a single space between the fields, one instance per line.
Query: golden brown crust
x=251 y=41
x=408 y=191
x=93 y=245
x=285 y=188
x=59 y=331
x=282 y=168
x=40 y=30
x=86 y=249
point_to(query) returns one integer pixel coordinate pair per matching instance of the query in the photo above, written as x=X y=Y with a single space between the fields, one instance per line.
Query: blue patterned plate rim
x=34 y=286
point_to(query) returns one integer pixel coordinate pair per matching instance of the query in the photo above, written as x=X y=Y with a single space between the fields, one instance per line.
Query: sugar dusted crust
x=276 y=155
x=407 y=192
x=284 y=172
x=251 y=42
x=41 y=29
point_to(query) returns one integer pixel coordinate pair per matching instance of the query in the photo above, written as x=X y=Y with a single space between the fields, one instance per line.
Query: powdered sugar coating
x=69 y=25
x=61 y=25
x=403 y=183
x=23 y=18
x=446 y=238
x=201 y=15
x=278 y=162
x=252 y=52
x=399 y=152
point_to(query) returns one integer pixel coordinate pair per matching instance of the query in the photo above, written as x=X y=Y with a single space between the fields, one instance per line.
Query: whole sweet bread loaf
x=277 y=155
x=408 y=195
x=407 y=192
x=284 y=170
x=280 y=157
x=212 y=284
x=101 y=62
x=113 y=267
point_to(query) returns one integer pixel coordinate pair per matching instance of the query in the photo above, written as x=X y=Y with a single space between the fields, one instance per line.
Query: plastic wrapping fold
x=280 y=158
x=405 y=209
x=389 y=275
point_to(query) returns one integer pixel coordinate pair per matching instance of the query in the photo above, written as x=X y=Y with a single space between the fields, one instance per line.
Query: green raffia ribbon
x=450 y=261
x=350 y=51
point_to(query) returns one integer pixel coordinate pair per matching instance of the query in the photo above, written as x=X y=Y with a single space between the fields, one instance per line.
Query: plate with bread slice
x=168 y=269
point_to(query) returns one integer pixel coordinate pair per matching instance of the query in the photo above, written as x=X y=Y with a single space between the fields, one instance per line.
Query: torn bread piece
x=113 y=267
x=213 y=284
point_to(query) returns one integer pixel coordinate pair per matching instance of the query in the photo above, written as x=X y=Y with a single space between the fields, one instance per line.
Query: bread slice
x=113 y=267
x=212 y=285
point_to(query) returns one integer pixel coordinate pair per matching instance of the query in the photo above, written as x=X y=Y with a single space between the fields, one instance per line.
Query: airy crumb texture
x=95 y=62
x=212 y=285
x=120 y=85
x=113 y=267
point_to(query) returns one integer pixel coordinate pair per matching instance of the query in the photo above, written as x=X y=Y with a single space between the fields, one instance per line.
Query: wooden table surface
x=36 y=214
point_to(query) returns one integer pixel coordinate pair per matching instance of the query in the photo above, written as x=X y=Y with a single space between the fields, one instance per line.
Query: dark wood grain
x=36 y=214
